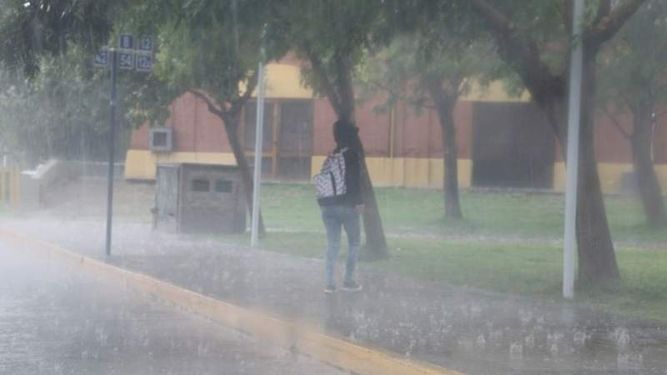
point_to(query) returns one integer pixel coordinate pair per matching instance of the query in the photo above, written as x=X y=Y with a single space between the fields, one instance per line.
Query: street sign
x=101 y=59
x=144 y=63
x=145 y=44
x=126 y=41
x=126 y=60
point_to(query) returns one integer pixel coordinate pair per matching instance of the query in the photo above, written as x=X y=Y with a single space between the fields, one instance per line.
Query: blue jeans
x=335 y=218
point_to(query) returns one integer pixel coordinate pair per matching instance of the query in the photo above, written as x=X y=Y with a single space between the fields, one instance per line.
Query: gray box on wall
x=202 y=198
x=161 y=140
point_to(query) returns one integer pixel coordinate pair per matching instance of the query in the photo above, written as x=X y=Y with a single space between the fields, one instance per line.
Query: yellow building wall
x=10 y=188
x=611 y=175
x=398 y=172
x=284 y=81
x=493 y=92
x=407 y=172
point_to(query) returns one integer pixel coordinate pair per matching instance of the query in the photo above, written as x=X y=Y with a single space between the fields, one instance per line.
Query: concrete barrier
x=37 y=184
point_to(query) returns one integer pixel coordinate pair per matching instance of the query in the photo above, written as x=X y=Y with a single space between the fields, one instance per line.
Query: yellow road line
x=294 y=335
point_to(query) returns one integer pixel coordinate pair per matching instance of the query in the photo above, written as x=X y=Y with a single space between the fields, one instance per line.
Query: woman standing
x=339 y=197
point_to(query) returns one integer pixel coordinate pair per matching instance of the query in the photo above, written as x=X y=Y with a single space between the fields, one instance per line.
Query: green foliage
x=403 y=70
x=633 y=64
x=211 y=47
x=30 y=29
x=335 y=33
x=59 y=113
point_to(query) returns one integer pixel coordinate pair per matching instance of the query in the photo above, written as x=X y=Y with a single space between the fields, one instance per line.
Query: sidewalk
x=467 y=330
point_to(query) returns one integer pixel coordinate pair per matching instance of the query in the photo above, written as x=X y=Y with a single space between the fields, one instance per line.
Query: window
x=201 y=185
x=223 y=186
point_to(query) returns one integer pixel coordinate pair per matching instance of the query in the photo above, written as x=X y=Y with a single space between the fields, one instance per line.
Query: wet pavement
x=472 y=331
x=57 y=319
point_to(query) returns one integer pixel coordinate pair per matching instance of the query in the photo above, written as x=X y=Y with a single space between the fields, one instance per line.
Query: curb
x=295 y=336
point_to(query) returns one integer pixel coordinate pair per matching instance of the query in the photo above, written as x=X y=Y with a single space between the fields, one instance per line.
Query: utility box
x=202 y=198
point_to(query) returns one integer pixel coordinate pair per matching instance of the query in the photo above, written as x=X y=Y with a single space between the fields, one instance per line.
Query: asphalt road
x=58 y=319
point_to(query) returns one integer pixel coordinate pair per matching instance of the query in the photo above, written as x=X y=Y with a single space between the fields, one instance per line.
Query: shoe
x=330 y=289
x=351 y=286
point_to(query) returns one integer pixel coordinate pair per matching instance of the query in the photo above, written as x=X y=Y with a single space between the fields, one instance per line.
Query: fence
x=10 y=178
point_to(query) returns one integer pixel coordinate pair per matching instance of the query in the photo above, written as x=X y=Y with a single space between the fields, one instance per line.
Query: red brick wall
x=417 y=134
x=610 y=145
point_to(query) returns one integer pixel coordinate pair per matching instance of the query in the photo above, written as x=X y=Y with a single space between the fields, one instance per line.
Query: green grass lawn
x=420 y=212
x=532 y=270
x=506 y=243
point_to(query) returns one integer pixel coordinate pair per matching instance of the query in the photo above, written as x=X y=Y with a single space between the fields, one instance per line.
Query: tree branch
x=566 y=6
x=616 y=123
x=318 y=68
x=604 y=8
x=344 y=86
x=517 y=50
x=606 y=26
x=213 y=107
x=237 y=105
x=399 y=96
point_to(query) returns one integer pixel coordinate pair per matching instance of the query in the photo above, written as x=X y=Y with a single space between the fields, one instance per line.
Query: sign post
x=572 y=161
x=125 y=58
x=259 y=150
x=112 y=143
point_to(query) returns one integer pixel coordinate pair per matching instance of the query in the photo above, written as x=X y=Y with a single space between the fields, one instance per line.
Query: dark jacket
x=352 y=196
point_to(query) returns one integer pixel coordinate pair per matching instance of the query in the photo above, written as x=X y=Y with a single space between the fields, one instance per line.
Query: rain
x=333 y=187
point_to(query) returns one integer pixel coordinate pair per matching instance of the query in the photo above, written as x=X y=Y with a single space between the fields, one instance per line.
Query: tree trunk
x=650 y=191
x=341 y=97
x=376 y=242
x=597 y=259
x=595 y=249
x=231 y=128
x=445 y=108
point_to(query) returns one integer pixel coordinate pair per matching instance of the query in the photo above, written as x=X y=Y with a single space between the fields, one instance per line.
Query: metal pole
x=572 y=161
x=259 y=135
x=112 y=141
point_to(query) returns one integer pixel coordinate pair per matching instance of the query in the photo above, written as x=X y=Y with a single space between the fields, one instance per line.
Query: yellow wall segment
x=407 y=172
x=10 y=189
x=611 y=176
x=284 y=81
x=398 y=172
x=141 y=164
x=493 y=92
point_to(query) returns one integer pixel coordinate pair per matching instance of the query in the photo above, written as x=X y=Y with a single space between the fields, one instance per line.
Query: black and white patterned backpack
x=330 y=182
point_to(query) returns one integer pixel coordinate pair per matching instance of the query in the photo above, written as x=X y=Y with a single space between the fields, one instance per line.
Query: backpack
x=330 y=182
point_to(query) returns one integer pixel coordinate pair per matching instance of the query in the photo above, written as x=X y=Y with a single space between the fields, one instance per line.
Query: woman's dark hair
x=345 y=134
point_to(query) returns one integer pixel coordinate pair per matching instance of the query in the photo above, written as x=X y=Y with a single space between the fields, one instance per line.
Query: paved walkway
x=59 y=320
x=471 y=331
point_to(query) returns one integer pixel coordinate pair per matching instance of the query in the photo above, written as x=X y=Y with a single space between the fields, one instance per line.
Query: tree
x=59 y=113
x=431 y=65
x=39 y=33
x=30 y=29
x=530 y=38
x=211 y=49
x=633 y=80
x=332 y=36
